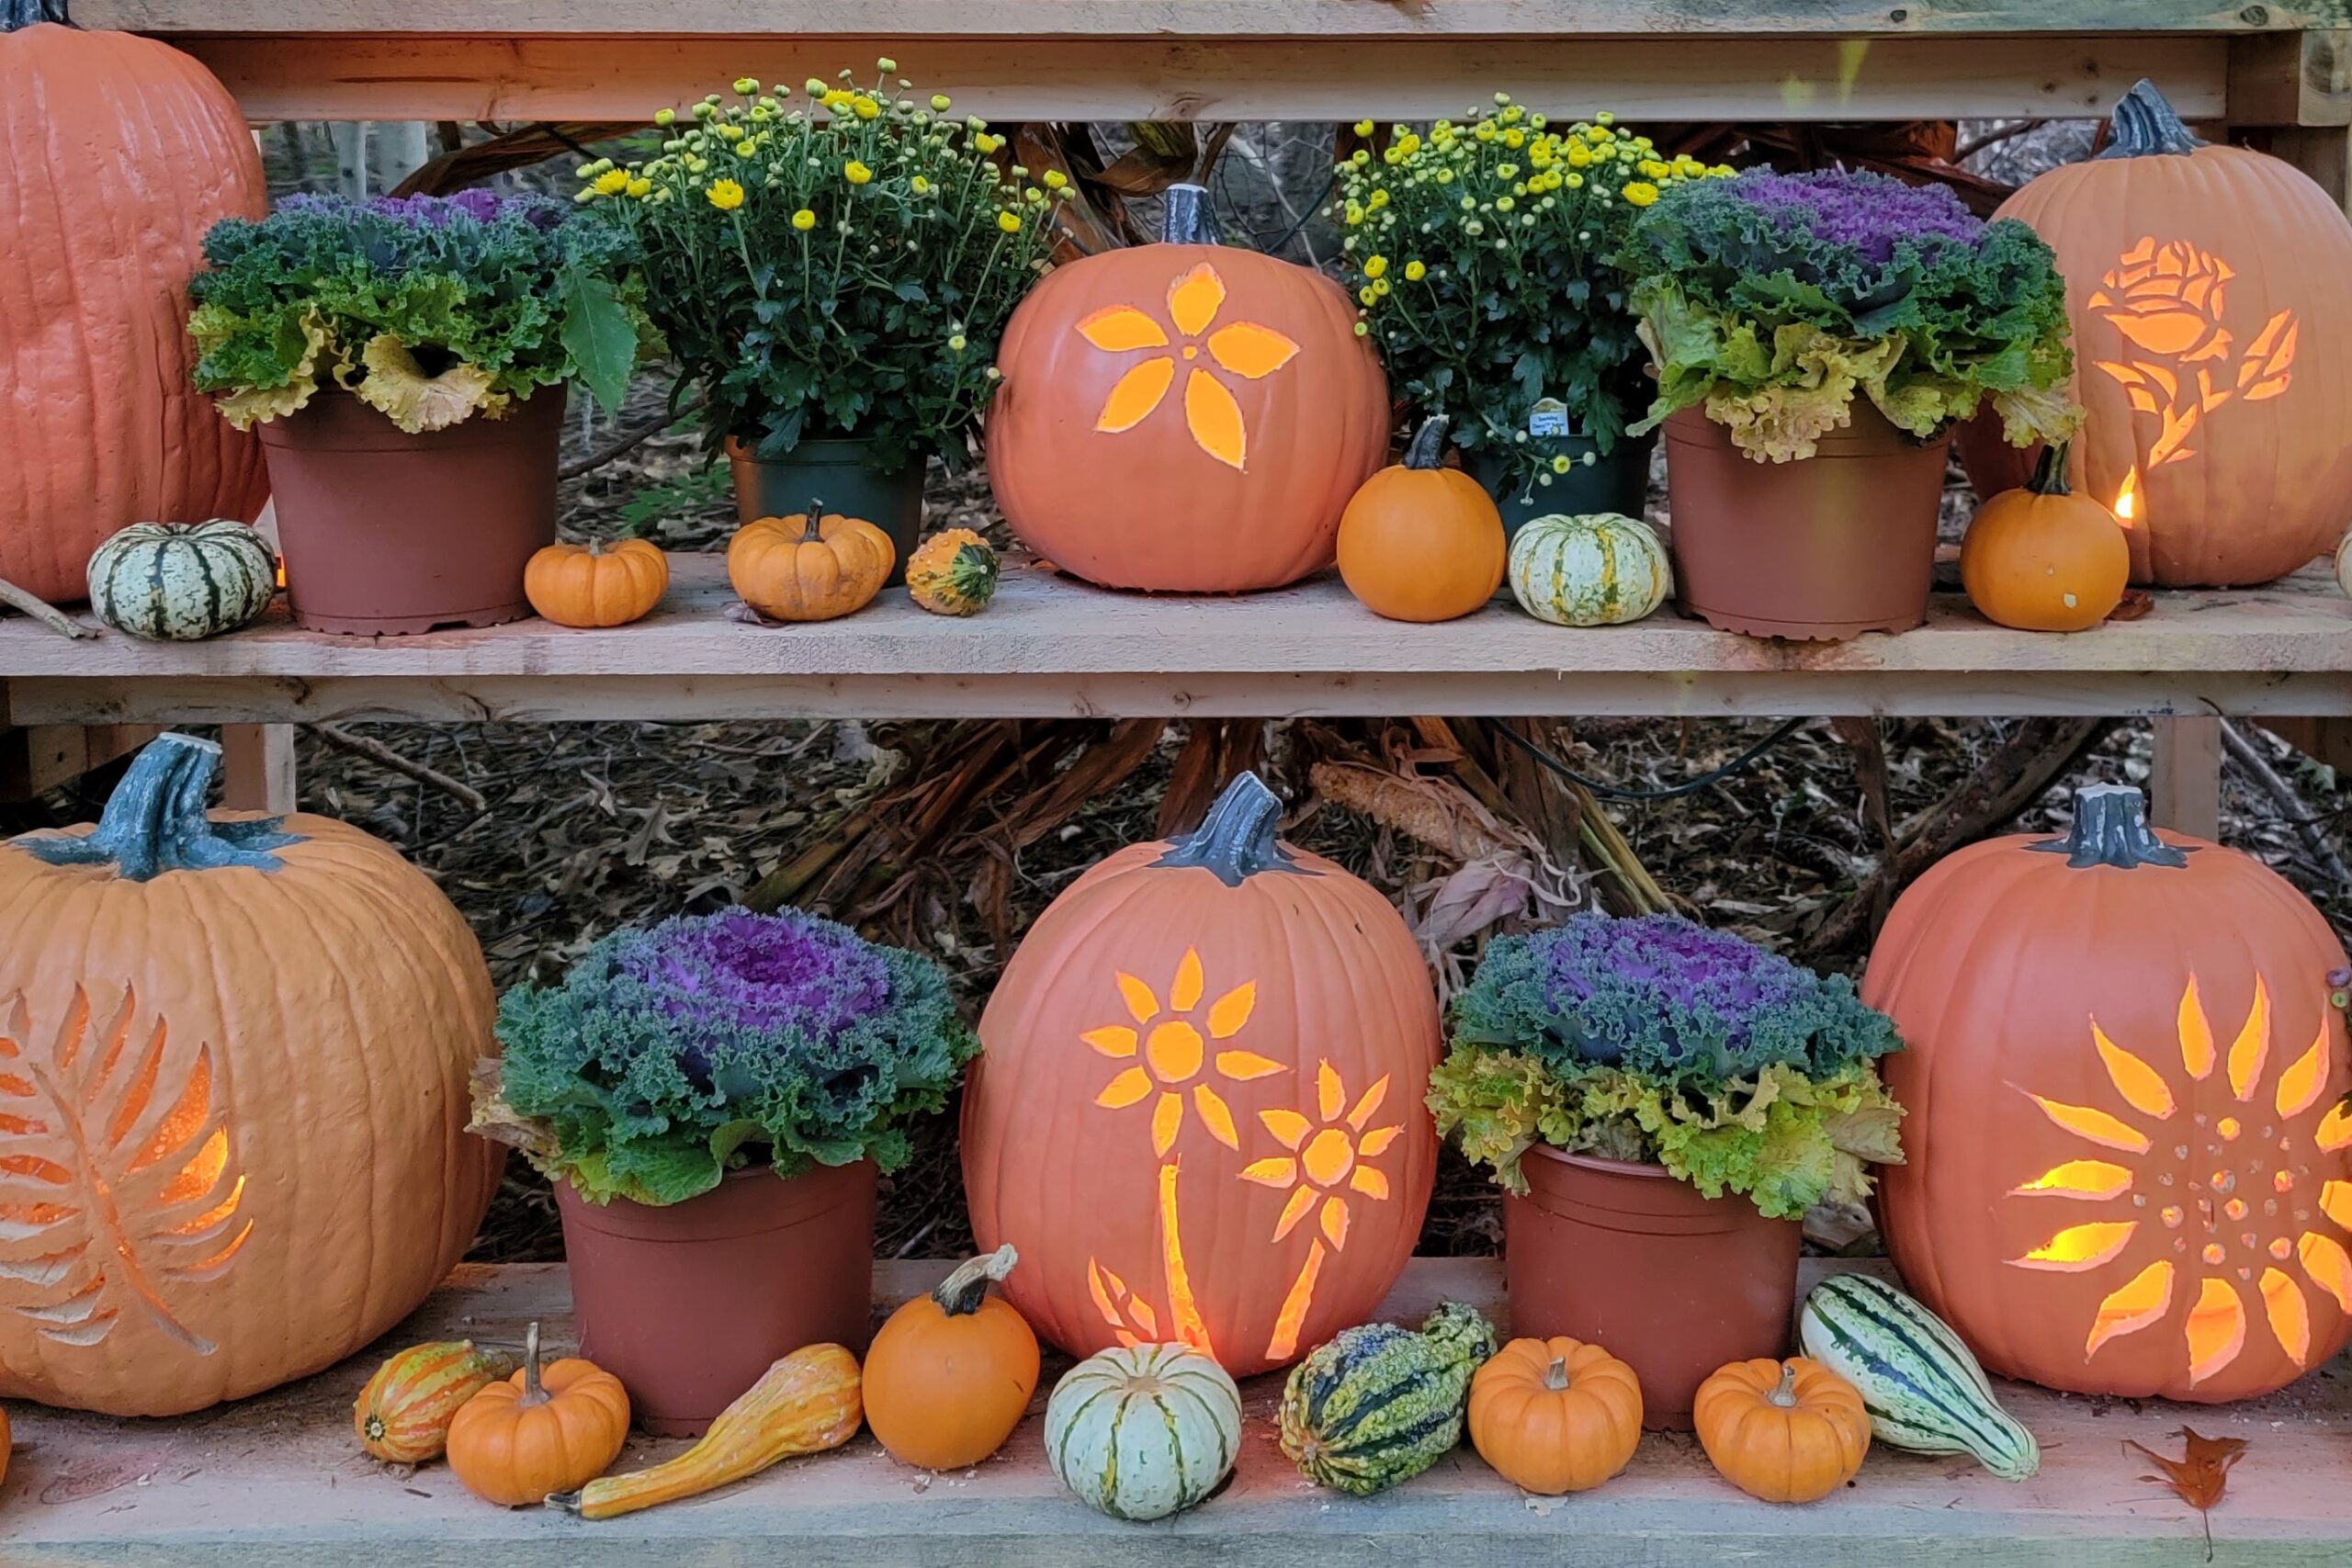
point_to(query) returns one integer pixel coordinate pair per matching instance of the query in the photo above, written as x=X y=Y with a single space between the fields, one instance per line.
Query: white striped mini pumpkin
x=1144 y=1431
x=1602 y=570
x=181 y=581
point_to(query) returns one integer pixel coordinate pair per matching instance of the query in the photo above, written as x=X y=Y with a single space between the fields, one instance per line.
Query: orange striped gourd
x=403 y=1414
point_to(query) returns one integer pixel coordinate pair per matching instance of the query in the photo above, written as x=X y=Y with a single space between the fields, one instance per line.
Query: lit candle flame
x=2127 y=499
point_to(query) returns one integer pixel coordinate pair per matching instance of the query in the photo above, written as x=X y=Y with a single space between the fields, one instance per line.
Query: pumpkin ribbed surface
x=1144 y=1431
x=1380 y=1404
x=182 y=583
x=117 y=152
x=1598 y=570
x=234 y=1102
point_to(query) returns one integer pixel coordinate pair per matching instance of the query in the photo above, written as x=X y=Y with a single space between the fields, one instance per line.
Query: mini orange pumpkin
x=950 y=1375
x=1183 y=417
x=812 y=565
x=521 y=1442
x=1555 y=1416
x=2042 y=559
x=595 y=584
x=1420 y=541
x=1789 y=1431
x=402 y=1416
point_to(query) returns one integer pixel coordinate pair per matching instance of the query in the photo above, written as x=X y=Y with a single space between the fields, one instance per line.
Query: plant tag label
x=1548 y=417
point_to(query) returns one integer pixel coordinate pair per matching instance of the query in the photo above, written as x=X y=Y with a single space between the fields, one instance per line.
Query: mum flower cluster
x=1483 y=254
x=1772 y=300
x=670 y=1055
x=836 y=260
x=1659 y=1040
x=429 y=310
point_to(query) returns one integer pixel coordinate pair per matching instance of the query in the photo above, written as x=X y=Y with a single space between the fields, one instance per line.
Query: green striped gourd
x=1924 y=1391
x=181 y=581
x=1379 y=1404
x=1144 y=1431
x=1602 y=570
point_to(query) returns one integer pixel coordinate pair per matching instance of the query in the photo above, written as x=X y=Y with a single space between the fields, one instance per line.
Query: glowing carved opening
x=1241 y=349
x=2180 y=361
x=2216 y=1331
x=2127 y=1311
x=2080 y=1248
x=2079 y=1179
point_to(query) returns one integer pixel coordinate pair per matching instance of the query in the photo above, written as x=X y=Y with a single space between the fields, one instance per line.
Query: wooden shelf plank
x=1048 y=645
x=277 y=1483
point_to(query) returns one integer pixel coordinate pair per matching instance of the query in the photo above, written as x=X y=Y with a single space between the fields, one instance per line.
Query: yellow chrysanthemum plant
x=835 y=260
x=1482 y=252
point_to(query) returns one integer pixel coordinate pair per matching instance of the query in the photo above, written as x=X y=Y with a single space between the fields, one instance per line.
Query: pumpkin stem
x=1185 y=218
x=533 y=1393
x=1555 y=1376
x=2110 y=828
x=2050 y=471
x=1426 y=449
x=960 y=1294
x=15 y=14
x=1236 y=840
x=155 y=821
x=816 y=533
x=2144 y=125
x=1785 y=1396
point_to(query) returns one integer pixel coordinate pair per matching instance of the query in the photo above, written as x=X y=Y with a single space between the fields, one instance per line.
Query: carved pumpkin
x=233 y=1059
x=2044 y=559
x=1182 y=416
x=1197 y=1111
x=812 y=565
x=1420 y=541
x=596 y=584
x=117 y=152
x=2126 y=1166
x=2210 y=290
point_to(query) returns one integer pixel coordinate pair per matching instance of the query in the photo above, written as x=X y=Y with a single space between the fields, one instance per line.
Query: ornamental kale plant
x=840 y=264
x=670 y=1055
x=426 y=309
x=1484 y=257
x=1771 y=299
x=1658 y=1040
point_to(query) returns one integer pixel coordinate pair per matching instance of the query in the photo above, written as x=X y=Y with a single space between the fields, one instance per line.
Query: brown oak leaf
x=2198 y=1476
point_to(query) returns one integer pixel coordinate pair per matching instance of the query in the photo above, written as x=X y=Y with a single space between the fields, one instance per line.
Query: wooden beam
x=2327 y=741
x=1346 y=71
x=1212 y=19
x=35 y=758
x=2185 y=776
x=2291 y=78
x=258 y=768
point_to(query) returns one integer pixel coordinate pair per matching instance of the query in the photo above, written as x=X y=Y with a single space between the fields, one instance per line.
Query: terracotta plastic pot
x=835 y=472
x=1671 y=1282
x=1831 y=547
x=688 y=1303
x=1619 y=482
x=387 y=533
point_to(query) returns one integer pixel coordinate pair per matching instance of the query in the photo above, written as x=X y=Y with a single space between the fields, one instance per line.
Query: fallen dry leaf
x=2198 y=1476
x=2135 y=602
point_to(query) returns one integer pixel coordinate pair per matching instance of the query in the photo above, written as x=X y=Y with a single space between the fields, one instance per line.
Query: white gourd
x=1145 y=1431
x=181 y=581
x=1602 y=569
x=2343 y=563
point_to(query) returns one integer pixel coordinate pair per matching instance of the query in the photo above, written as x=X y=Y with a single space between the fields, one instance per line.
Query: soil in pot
x=688 y=1303
x=1672 y=1283
x=836 y=473
x=1619 y=482
x=1824 y=549
x=385 y=533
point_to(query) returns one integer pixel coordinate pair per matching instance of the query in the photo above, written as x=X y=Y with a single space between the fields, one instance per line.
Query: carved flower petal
x=1375 y=1143
x=1167 y=1120
x=1124 y=1090
x=1214 y=418
x=1243 y=1066
x=1295 y=1210
x=2216 y=1330
x=1335 y=1222
x=1142 y=1005
x=1365 y=1108
x=1216 y=1116
x=1249 y=350
x=1288 y=1127
x=1115 y=1041
x=1330 y=1092
x=1368 y=1181
x=2144 y=1300
x=1120 y=329
x=1184 y=993
x=1136 y=395
x=1277 y=1172
x=1194 y=299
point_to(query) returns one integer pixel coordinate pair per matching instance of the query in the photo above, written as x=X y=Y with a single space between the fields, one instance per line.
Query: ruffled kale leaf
x=1772 y=300
x=670 y=1055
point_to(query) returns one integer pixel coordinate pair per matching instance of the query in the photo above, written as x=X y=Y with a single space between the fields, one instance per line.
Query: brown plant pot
x=1828 y=547
x=386 y=532
x=1625 y=1257
x=688 y=1303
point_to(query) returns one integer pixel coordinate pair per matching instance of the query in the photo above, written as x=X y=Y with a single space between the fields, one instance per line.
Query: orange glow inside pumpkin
x=2127 y=499
x=2180 y=358
x=2227 y=1159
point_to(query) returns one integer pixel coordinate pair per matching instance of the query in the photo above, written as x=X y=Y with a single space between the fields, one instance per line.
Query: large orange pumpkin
x=1185 y=417
x=2210 y=290
x=1198 y=1108
x=117 y=152
x=2126 y=1166
x=233 y=1060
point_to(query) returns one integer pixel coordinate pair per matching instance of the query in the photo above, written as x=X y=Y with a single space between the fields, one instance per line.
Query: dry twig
x=383 y=756
x=41 y=610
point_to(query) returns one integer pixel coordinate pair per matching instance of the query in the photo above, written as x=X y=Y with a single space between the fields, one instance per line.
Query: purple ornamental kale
x=738 y=971
x=1866 y=212
x=1672 y=966
x=541 y=212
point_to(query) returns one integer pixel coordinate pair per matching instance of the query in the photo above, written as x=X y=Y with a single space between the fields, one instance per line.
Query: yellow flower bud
x=857 y=172
x=886 y=65
x=666 y=117
x=746 y=86
x=939 y=101
x=918 y=184
x=804 y=221
x=725 y=195
x=1055 y=179
x=1415 y=271
x=864 y=107
x=1009 y=221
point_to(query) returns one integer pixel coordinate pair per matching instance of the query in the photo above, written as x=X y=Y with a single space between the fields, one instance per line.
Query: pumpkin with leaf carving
x=234 y=1062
